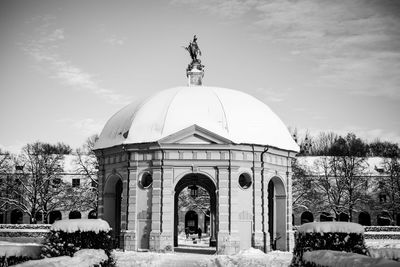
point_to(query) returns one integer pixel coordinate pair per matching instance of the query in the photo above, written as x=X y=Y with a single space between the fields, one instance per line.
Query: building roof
x=231 y=114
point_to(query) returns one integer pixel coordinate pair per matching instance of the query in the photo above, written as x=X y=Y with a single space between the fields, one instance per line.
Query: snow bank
x=82 y=258
x=9 y=249
x=331 y=227
x=245 y=258
x=83 y=225
x=330 y=258
x=388 y=253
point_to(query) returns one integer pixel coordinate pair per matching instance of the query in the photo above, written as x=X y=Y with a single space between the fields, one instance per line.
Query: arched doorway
x=307 y=217
x=277 y=214
x=325 y=217
x=202 y=182
x=92 y=214
x=191 y=221
x=364 y=218
x=16 y=216
x=112 y=205
x=54 y=215
x=383 y=219
x=74 y=215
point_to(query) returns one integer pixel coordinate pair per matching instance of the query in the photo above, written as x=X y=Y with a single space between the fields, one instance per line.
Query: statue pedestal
x=195 y=73
x=195 y=77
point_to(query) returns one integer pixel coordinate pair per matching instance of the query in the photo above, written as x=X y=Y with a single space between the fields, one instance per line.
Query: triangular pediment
x=194 y=135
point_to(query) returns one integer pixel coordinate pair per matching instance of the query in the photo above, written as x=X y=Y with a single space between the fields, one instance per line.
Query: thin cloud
x=354 y=43
x=271 y=95
x=86 y=127
x=114 y=41
x=44 y=50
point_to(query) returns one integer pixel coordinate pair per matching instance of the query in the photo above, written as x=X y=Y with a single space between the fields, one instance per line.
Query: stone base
x=258 y=241
x=290 y=240
x=227 y=244
x=161 y=242
x=129 y=240
x=268 y=247
x=166 y=242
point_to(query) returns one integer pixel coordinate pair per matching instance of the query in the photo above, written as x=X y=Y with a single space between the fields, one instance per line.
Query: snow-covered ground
x=249 y=257
x=81 y=258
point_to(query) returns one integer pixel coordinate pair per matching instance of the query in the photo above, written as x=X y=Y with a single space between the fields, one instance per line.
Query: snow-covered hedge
x=329 y=258
x=338 y=236
x=81 y=258
x=69 y=236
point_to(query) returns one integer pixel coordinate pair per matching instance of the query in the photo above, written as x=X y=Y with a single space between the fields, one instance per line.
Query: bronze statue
x=193 y=50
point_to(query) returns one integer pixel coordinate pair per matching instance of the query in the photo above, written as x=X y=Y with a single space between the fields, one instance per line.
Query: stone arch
x=16 y=216
x=277 y=213
x=364 y=218
x=112 y=204
x=306 y=217
x=54 y=215
x=74 y=215
x=205 y=181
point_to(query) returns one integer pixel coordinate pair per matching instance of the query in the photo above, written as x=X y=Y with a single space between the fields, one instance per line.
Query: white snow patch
x=330 y=258
x=81 y=258
x=246 y=258
x=9 y=249
x=83 y=225
x=331 y=227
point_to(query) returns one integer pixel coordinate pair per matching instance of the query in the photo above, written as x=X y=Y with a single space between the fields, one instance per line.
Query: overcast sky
x=68 y=66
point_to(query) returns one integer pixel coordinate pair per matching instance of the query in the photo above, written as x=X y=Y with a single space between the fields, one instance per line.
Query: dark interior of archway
x=271 y=212
x=205 y=186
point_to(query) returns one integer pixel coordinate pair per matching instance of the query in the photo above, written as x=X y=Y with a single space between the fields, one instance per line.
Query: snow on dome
x=83 y=225
x=331 y=227
x=232 y=114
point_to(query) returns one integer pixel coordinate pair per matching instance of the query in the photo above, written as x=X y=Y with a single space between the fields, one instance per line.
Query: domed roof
x=231 y=114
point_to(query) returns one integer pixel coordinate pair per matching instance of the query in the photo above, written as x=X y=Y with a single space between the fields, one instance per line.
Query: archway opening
x=307 y=217
x=92 y=214
x=191 y=221
x=195 y=208
x=112 y=206
x=277 y=214
x=54 y=215
x=343 y=217
x=16 y=216
x=364 y=218
x=74 y=215
x=383 y=219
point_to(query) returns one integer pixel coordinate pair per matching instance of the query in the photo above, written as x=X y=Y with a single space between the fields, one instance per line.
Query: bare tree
x=36 y=185
x=87 y=166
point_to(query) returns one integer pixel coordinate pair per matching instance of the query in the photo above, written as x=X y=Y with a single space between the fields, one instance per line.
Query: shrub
x=69 y=236
x=337 y=236
x=330 y=258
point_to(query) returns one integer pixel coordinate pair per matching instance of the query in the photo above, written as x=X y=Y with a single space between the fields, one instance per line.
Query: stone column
x=100 y=201
x=223 y=211
x=124 y=208
x=290 y=232
x=167 y=235
x=259 y=214
x=156 y=210
x=130 y=238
